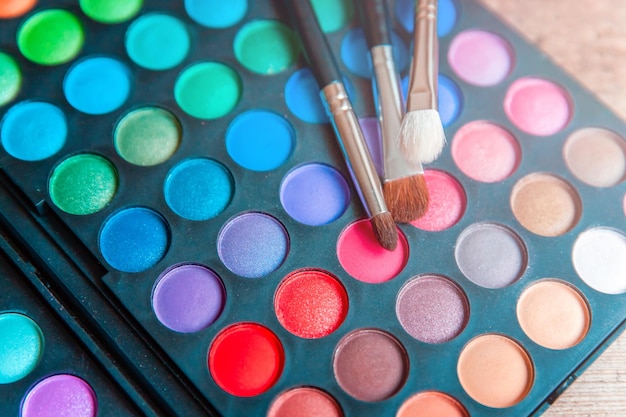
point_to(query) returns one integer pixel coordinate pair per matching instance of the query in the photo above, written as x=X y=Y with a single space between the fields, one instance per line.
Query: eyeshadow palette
x=168 y=169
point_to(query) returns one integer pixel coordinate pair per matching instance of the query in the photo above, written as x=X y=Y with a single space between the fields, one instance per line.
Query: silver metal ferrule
x=354 y=147
x=422 y=93
x=390 y=109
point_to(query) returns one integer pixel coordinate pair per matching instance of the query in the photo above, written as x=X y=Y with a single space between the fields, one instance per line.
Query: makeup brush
x=345 y=123
x=422 y=137
x=404 y=186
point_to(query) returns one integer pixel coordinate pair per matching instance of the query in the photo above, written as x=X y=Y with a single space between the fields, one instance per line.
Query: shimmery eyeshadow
x=51 y=37
x=304 y=401
x=60 y=395
x=253 y=244
x=370 y=365
x=537 y=106
x=546 y=204
x=333 y=15
x=596 y=156
x=599 y=257
x=10 y=78
x=447 y=12
x=486 y=152
x=355 y=53
x=260 y=140
x=83 y=184
x=208 y=90
x=491 y=255
x=157 y=41
x=311 y=303
x=495 y=370
x=111 y=11
x=21 y=347
x=33 y=130
x=15 y=8
x=314 y=194
x=134 y=239
x=97 y=85
x=147 y=136
x=246 y=359
x=188 y=298
x=432 y=404
x=553 y=314
x=363 y=258
x=481 y=58
x=446 y=202
x=216 y=14
x=432 y=309
x=198 y=188
x=266 y=47
x=302 y=96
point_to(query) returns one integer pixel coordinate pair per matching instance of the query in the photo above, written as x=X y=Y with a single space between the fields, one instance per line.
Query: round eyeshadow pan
x=147 y=136
x=260 y=140
x=33 y=130
x=446 y=202
x=333 y=15
x=21 y=346
x=485 y=152
x=15 y=8
x=253 y=244
x=481 y=58
x=157 y=41
x=432 y=309
x=599 y=258
x=266 y=47
x=355 y=53
x=51 y=37
x=537 y=106
x=188 y=298
x=304 y=401
x=97 y=85
x=311 y=303
x=314 y=194
x=432 y=404
x=60 y=395
x=111 y=11
x=553 y=314
x=246 y=359
x=545 y=204
x=10 y=78
x=364 y=259
x=447 y=13
x=216 y=14
x=302 y=96
x=83 y=184
x=596 y=156
x=134 y=239
x=491 y=255
x=198 y=188
x=370 y=365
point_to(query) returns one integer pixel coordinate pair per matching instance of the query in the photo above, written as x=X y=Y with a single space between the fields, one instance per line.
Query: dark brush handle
x=375 y=21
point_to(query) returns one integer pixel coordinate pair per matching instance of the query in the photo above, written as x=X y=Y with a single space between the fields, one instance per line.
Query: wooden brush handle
x=375 y=21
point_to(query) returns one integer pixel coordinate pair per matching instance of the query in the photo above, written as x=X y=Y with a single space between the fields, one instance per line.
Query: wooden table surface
x=587 y=38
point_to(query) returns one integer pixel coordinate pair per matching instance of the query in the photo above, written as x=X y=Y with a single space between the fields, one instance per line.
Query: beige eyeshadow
x=545 y=204
x=495 y=370
x=596 y=156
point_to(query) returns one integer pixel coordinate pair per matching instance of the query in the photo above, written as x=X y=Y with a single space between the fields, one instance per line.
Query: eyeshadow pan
x=10 y=78
x=333 y=15
x=596 y=156
x=553 y=314
x=447 y=14
x=495 y=370
x=21 y=346
x=302 y=96
x=432 y=404
x=370 y=364
x=111 y=11
x=15 y=8
x=450 y=98
x=446 y=202
x=216 y=14
x=304 y=402
x=355 y=53
x=60 y=395
x=546 y=204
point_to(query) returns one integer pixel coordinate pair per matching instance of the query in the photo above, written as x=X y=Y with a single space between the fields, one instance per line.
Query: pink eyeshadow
x=485 y=151
x=481 y=58
x=446 y=203
x=537 y=106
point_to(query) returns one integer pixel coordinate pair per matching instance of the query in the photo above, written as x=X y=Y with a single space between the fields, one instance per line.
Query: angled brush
x=404 y=187
x=344 y=120
x=422 y=137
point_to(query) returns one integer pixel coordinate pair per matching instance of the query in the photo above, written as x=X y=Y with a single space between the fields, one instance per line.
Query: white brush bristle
x=421 y=136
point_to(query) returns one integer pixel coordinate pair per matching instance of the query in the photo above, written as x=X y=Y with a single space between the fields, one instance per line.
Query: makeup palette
x=170 y=180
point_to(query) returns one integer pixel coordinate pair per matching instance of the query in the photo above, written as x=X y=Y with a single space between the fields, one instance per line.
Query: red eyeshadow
x=311 y=303
x=246 y=359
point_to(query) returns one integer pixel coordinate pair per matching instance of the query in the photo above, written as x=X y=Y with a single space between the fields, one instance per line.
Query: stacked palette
x=171 y=173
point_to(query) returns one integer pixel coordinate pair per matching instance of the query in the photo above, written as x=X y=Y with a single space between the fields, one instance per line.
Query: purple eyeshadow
x=60 y=395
